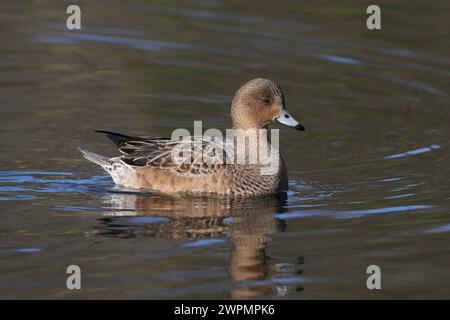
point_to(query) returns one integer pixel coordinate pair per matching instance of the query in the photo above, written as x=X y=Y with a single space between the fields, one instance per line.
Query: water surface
x=369 y=179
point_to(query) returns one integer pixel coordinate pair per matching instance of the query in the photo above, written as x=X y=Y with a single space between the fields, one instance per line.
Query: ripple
x=339 y=59
x=414 y=152
x=17 y=185
x=20 y=197
x=232 y=18
x=400 y=196
x=352 y=213
x=441 y=229
x=29 y=250
x=134 y=43
x=204 y=243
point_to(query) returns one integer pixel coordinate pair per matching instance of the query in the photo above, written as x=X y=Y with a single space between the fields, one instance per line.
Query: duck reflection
x=249 y=223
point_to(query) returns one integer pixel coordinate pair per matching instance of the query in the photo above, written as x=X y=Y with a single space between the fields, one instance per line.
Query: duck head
x=258 y=103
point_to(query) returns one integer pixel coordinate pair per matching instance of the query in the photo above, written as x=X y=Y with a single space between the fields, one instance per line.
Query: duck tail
x=102 y=161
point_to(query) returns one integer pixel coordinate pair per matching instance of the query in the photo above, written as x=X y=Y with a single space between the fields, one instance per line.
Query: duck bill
x=288 y=120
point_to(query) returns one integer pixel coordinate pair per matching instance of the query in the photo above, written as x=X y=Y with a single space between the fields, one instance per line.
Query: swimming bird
x=152 y=163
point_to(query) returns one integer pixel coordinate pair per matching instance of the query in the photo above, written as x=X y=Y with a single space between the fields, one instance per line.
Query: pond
x=369 y=178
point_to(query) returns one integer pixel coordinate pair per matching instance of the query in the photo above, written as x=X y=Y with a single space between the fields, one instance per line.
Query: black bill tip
x=299 y=127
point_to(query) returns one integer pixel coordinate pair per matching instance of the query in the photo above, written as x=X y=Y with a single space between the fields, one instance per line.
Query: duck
x=149 y=164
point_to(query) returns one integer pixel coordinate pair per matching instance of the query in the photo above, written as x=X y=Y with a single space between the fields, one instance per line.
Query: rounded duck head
x=258 y=103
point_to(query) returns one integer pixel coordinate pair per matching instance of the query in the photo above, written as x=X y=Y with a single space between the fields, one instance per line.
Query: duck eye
x=266 y=101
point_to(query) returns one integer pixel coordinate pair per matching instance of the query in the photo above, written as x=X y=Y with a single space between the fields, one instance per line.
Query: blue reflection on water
x=135 y=43
x=441 y=229
x=29 y=250
x=20 y=185
x=146 y=220
x=413 y=152
x=339 y=59
x=350 y=214
x=204 y=243
x=20 y=197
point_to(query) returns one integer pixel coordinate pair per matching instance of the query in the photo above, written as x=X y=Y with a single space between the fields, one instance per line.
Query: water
x=369 y=179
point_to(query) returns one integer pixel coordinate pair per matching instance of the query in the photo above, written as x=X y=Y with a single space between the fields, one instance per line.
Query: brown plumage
x=148 y=163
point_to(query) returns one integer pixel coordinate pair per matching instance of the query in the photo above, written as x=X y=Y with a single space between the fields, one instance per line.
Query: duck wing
x=190 y=156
